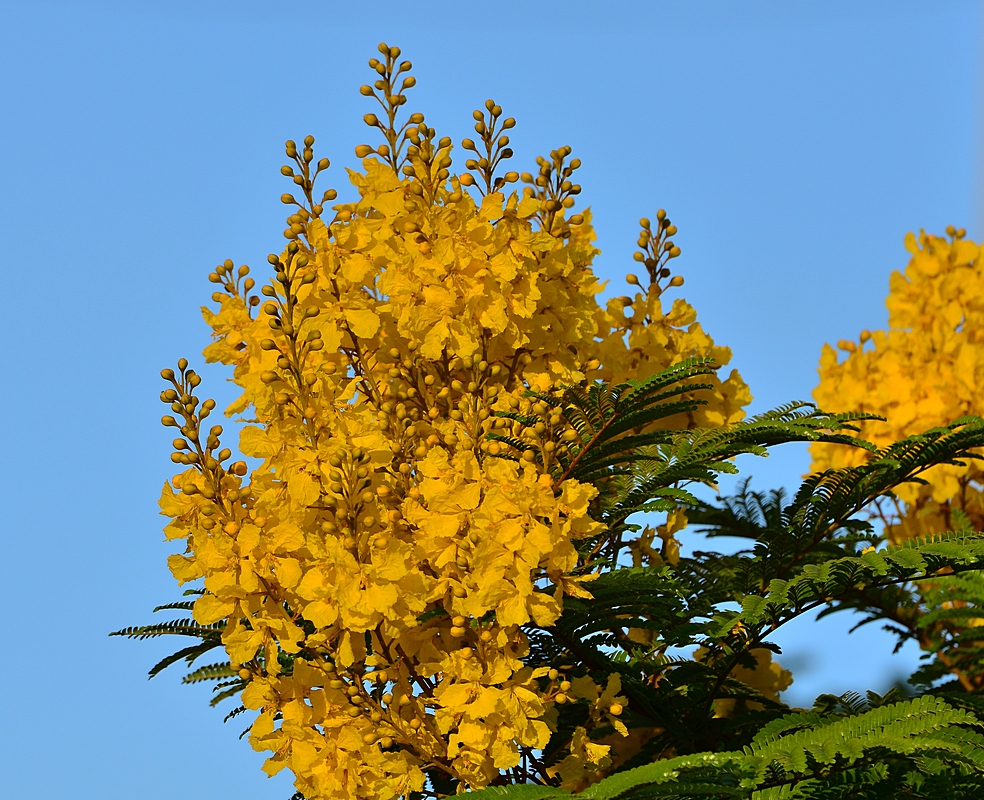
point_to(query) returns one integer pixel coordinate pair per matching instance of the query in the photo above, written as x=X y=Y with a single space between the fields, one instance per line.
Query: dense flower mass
x=378 y=570
x=925 y=370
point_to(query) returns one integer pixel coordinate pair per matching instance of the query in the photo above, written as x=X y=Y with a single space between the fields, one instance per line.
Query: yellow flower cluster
x=376 y=569
x=925 y=370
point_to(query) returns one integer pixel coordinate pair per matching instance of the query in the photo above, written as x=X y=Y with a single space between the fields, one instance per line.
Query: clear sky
x=793 y=145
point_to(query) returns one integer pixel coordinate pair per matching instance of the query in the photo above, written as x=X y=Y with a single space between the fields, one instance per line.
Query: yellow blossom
x=377 y=566
x=925 y=370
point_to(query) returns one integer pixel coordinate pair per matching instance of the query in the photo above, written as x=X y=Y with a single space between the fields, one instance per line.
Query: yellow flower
x=379 y=562
x=924 y=371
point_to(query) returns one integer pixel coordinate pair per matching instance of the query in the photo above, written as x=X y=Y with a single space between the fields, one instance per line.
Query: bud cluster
x=200 y=452
x=234 y=282
x=495 y=144
x=307 y=209
x=536 y=431
x=655 y=251
x=390 y=98
x=291 y=325
x=428 y=167
x=553 y=189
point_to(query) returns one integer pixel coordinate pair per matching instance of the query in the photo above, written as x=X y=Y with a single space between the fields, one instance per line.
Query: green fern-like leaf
x=175 y=627
x=210 y=672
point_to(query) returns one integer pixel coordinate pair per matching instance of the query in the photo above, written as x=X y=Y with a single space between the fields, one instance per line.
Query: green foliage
x=817 y=550
x=639 y=467
x=209 y=637
x=914 y=748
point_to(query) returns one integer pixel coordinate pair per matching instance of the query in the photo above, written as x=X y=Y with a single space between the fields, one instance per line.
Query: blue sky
x=792 y=144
